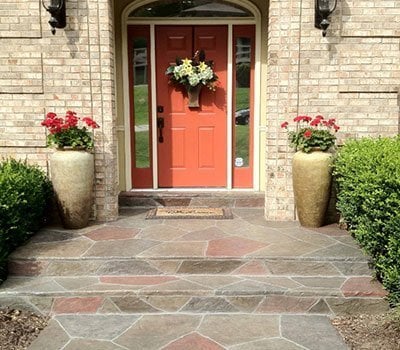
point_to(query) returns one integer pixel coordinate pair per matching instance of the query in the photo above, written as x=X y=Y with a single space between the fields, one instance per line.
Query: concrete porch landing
x=236 y=284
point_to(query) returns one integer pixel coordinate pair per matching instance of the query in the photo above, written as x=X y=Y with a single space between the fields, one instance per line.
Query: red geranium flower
x=284 y=125
x=69 y=131
x=316 y=133
x=307 y=134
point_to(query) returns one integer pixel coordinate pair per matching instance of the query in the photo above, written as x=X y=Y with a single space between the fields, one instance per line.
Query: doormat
x=189 y=213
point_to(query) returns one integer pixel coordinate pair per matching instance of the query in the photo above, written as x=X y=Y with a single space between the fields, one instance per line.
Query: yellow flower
x=202 y=66
x=186 y=61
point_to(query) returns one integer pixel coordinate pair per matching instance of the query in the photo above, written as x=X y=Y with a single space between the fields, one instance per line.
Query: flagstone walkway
x=190 y=284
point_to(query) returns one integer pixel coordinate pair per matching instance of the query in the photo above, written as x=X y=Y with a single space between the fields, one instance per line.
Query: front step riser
x=195 y=199
x=270 y=304
x=137 y=266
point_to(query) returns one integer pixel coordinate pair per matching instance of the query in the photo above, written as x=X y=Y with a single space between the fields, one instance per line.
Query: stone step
x=214 y=198
x=209 y=285
x=195 y=294
x=272 y=266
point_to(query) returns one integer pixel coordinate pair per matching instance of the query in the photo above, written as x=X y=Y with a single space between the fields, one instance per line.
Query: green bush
x=368 y=177
x=25 y=192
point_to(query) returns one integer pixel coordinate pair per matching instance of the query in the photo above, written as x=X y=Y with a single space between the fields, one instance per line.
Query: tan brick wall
x=73 y=70
x=352 y=75
x=20 y=19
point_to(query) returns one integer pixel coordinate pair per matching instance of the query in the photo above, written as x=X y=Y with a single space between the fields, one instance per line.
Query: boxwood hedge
x=367 y=173
x=25 y=193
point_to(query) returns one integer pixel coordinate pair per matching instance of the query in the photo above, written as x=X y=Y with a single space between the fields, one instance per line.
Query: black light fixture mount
x=58 y=18
x=323 y=9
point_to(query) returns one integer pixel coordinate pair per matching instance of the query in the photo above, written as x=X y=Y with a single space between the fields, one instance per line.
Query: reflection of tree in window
x=190 y=8
x=243 y=49
x=242 y=102
x=141 y=103
x=140 y=61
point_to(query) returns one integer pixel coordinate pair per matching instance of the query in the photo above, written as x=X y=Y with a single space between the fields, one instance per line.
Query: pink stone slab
x=233 y=246
x=252 y=268
x=364 y=287
x=76 y=305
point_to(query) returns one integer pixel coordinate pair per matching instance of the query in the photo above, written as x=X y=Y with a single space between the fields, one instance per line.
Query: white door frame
x=152 y=22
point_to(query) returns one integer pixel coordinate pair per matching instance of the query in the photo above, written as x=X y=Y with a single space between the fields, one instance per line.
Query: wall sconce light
x=323 y=9
x=58 y=18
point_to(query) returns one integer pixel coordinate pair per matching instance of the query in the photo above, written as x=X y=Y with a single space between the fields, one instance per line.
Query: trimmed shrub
x=25 y=192
x=367 y=173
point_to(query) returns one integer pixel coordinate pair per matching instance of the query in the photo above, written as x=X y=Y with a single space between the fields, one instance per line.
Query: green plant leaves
x=24 y=194
x=367 y=174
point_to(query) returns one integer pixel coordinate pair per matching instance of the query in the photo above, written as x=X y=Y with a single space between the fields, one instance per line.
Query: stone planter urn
x=194 y=95
x=312 y=177
x=72 y=175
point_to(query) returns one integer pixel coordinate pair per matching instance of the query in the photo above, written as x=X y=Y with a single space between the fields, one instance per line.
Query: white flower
x=194 y=79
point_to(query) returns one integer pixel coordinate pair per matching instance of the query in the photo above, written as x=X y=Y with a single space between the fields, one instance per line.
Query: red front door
x=192 y=150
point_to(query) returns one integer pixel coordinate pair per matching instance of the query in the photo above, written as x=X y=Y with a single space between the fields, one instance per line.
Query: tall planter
x=312 y=179
x=72 y=175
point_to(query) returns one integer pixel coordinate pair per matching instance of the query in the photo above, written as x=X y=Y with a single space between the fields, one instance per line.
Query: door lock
x=160 y=127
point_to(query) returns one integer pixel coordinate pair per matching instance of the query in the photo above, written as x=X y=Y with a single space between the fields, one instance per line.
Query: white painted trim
x=126 y=103
x=257 y=110
x=190 y=20
x=182 y=21
x=154 y=105
x=229 y=130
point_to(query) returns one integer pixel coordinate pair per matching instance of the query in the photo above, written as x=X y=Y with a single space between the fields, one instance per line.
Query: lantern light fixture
x=323 y=9
x=58 y=18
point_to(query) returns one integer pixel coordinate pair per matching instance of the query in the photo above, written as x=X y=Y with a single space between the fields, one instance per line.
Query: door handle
x=160 y=127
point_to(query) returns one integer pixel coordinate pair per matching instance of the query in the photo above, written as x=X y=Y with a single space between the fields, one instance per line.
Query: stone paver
x=235 y=284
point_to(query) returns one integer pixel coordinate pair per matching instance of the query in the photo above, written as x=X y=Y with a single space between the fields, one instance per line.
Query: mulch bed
x=370 y=332
x=18 y=328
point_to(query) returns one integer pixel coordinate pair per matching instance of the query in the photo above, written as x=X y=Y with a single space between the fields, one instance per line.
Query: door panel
x=193 y=151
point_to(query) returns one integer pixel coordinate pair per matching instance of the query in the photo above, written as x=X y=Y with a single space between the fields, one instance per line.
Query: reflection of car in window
x=242 y=116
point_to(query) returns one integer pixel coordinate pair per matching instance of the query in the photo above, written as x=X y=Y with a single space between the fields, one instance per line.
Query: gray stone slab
x=76 y=283
x=353 y=268
x=249 y=288
x=35 y=285
x=245 y=303
x=122 y=248
x=79 y=344
x=302 y=268
x=127 y=267
x=152 y=332
x=133 y=304
x=52 y=236
x=357 y=306
x=209 y=304
x=161 y=233
x=71 y=268
x=236 y=329
x=268 y=344
x=286 y=249
x=53 y=337
x=209 y=266
x=338 y=251
x=169 y=303
x=100 y=327
x=311 y=332
x=321 y=282
x=74 y=248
